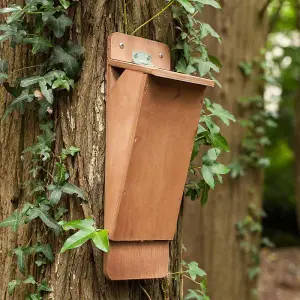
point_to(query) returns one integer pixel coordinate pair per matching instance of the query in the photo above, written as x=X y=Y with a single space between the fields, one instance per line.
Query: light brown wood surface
x=137 y=260
x=136 y=44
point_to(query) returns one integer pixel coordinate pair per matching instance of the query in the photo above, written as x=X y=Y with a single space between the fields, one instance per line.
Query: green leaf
x=55 y=195
x=212 y=3
x=220 y=142
x=10 y=9
x=20 y=259
x=193 y=294
x=30 y=81
x=58 y=25
x=69 y=62
x=204 y=196
x=85 y=224
x=3 y=70
x=12 y=221
x=206 y=29
x=40 y=44
x=211 y=125
x=60 y=212
x=43 y=287
x=208 y=176
x=217 y=168
x=78 y=239
x=48 y=94
x=41 y=212
x=12 y=285
x=14 y=16
x=46 y=249
x=218 y=111
x=30 y=280
x=100 y=239
x=210 y=156
x=65 y=4
x=194 y=270
x=71 y=189
x=70 y=151
x=187 y=6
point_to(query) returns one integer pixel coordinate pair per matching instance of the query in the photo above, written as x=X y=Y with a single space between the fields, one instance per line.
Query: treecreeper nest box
x=152 y=117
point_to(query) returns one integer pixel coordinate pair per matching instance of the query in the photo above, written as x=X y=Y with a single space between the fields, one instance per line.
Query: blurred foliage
x=283 y=57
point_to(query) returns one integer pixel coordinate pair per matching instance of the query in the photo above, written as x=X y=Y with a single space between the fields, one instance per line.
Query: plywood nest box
x=152 y=117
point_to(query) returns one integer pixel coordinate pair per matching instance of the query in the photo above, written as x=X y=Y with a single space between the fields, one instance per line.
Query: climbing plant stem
x=154 y=17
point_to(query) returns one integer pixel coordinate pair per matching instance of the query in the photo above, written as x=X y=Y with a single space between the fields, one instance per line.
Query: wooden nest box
x=152 y=117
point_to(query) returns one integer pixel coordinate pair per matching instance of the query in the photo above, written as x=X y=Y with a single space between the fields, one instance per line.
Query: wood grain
x=137 y=260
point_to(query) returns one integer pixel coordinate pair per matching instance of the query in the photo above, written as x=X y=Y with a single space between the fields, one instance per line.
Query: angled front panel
x=123 y=106
x=158 y=162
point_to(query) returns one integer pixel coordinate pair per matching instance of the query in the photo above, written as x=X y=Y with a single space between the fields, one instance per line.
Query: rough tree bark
x=80 y=121
x=209 y=232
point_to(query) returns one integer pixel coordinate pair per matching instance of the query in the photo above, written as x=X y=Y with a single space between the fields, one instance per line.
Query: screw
x=148 y=57
x=161 y=55
x=121 y=45
x=136 y=55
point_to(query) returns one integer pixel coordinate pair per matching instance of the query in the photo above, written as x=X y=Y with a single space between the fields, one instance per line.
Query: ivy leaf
x=219 y=169
x=42 y=213
x=12 y=285
x=210 y=156
x=218 y=141
x=60 y=212
x=34 y=297
x=58 y=25
x=3 y=70
x=70 y=151
x=65 y=4
x=78 y=239
x=48 y=94
x=40 y=44
x=208 y=176
x=12 y=221
x=187 y=6
x=55 y=195
x=71 y=189
x=100 y=239
x=46 y=250
x=75 y=50
x=15 y=16
x=194 y=294
x=204 y=196
x=78 y=224
x=30 y=81
x=20 y=259
x=43 y=287
x=206 y=29
x=30 y=280
x=10 y=9
x=69 y=62
x=212 y=3
x=194 y=270
x=218 y=111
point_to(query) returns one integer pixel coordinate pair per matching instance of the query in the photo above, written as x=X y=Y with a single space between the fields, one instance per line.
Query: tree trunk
x=210 y=232
x=80 y=121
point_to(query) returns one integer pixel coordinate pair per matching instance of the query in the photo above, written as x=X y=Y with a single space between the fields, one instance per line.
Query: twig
x=155 y=16
x=146 y=293
x=125 y=16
